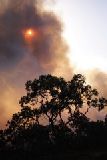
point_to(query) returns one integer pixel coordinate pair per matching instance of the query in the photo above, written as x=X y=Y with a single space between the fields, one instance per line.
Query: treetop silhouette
x=51 y=112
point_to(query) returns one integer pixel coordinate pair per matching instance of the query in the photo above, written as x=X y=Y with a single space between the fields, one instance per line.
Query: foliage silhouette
x=52 y=116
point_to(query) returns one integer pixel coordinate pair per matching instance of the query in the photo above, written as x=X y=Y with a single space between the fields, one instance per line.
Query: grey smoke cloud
x=46 y=53
x=99 y=80
x=20 y=60
x=49 y=50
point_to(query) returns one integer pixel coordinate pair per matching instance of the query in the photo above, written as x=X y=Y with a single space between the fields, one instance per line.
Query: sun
x=29 y=32
x=30 y=35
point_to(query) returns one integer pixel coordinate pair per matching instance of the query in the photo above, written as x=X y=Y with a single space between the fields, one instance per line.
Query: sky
x=85 y=28
x=31 y=44
x=69 y=38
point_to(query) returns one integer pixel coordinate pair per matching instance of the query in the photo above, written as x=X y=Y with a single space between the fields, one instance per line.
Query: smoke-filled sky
x=86 y=32
x=32 y=43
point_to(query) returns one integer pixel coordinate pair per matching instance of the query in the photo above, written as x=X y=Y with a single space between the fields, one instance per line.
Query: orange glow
x=29 y=32
x=30 y=35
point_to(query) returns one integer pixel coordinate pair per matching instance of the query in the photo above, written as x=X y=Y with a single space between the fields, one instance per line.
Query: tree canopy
x=54 y=112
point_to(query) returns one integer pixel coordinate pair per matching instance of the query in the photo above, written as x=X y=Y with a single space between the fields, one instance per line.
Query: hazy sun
x=30 y=35
x=29 y=32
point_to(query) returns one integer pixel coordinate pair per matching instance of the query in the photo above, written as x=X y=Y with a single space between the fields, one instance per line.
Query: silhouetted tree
x=51 y=113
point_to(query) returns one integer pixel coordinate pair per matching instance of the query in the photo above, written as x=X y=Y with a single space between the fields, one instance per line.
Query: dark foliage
x=52 y=119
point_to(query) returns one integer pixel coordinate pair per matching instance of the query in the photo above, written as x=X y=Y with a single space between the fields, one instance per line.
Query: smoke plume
x=22 y=56
x=98 y=79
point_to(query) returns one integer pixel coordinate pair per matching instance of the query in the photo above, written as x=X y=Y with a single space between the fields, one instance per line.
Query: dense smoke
x=22 y=59
x=98 y=79
x=47 y=50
